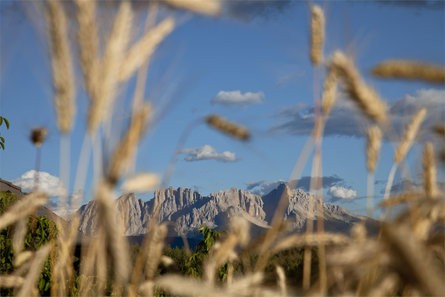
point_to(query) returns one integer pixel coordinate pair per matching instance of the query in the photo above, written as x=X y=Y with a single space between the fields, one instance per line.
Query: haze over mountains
x=185 y=210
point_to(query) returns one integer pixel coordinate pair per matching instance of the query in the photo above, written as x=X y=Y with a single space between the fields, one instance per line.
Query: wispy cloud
x=339 y=193
x=236 y=98
x=47 y=183
x=345 y=120
x=207 y=152
x=264 y=187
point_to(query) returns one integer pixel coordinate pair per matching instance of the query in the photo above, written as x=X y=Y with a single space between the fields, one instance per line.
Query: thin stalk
x=64 y=170
x=81 y=173
x=370 y=194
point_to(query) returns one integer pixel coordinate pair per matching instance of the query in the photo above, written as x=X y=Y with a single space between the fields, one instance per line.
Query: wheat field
x=406 y=258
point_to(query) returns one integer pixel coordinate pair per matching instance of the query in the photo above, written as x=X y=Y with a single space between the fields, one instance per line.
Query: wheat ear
x=228 y=127
x=409 y=135
x=366 y=97
x=144 y=48
x=101 y=104
x=206 y=7
x=429 y=171
x=62 y=67
x=317 y=34
x=413 y=70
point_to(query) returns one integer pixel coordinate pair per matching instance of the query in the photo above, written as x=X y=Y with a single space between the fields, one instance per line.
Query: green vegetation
x=2 y=139
x=41 y=230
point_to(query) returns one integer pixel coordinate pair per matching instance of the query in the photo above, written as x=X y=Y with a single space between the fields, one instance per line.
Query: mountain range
x=185 y=210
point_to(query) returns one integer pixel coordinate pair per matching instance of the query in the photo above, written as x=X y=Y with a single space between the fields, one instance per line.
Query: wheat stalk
x=413 y=70
x=34 y=271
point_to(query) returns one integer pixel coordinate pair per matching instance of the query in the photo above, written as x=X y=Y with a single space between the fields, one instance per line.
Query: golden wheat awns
x=317 y=34
x=228 y=127
x=329 y=92
x=366 y=97
x=126 y=148
x=62 y=67
x=412 y=70
x=207 y=7
x=144 y=48
x=88 y=43
x=373 y=147
x=409 y=135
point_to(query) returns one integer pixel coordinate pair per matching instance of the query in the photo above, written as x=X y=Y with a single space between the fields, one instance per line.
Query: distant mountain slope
x=185 y=210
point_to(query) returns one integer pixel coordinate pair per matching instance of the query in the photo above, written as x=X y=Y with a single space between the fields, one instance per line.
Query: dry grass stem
x=206 y=7
x=88 y=43
x=373 y=147
x=22 y=208
x=34 y=272
x=317 y=34
x=126 y=148
x=401 y=198
x=311 y=240
x=429 y=172
x=386 y=287
x=62 y=67
x=144 y=48
x=281 y=280
x=227 y=127
x=18 y=238
x=405 y=69
x=141 y=183
x=366 y=97
x=329 y=92
x=100 y=106
x=409 y=135
x=113 y=228
x=11 y=281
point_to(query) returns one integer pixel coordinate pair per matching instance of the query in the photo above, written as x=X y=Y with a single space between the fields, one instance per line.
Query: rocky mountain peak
x=187 y=210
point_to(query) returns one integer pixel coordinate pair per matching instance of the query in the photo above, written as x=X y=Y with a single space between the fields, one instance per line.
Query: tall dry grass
x=407 y=258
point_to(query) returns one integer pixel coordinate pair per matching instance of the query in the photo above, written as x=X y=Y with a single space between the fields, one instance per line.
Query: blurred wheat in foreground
x=406 y=258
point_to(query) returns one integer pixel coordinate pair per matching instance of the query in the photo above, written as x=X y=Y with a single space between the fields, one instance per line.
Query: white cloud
x=48 y=183
x=207 y=152
x=340 y=192
x=263 y=187
x=237 y=98
x=346 y=120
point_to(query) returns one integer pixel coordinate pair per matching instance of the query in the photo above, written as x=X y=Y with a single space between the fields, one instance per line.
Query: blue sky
x=256 y=53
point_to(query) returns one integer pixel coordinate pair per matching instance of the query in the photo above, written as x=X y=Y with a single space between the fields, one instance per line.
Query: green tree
x=41 y=230
x=194 y=263
x=2 y=140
